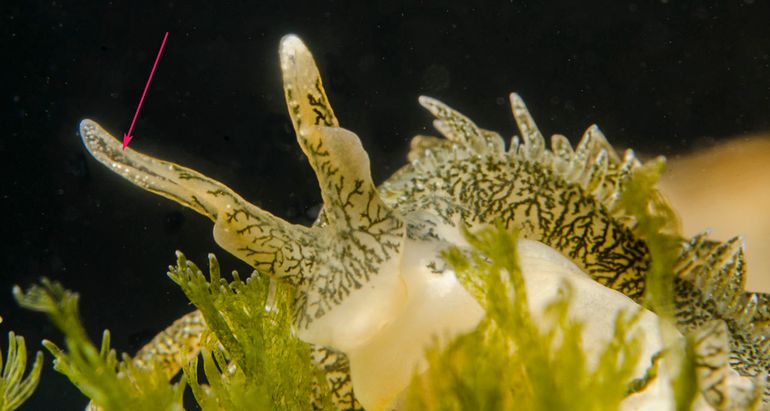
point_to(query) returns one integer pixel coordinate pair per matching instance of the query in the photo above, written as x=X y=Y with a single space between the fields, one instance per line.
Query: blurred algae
x=110 y=382
x=15 y=388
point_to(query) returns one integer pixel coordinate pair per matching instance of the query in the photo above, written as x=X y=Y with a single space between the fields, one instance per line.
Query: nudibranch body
x=371 y=288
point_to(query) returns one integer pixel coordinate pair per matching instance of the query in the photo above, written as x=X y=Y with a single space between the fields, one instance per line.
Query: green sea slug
x=372 y=290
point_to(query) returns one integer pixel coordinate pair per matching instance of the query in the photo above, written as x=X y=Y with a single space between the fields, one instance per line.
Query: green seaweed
x=14 y=387
x=259 y=362
x=250 y=358
x=110 y=383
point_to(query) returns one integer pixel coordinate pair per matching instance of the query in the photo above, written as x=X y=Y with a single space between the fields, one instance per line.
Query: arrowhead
x=126 y=139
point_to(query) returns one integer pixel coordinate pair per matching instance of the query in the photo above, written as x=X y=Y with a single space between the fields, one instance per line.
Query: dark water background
x=663 y=77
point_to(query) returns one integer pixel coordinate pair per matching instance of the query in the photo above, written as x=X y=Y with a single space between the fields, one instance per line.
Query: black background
x=663 y=77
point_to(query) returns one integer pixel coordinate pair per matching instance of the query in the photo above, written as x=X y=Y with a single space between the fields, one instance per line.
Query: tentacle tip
x=291 y=43
x=89 y=133
x=97 y=141
x=429 y=103
x=86 y=122
x=87 y=127
x=629 y=154
x=425 y=101
x=516 y=99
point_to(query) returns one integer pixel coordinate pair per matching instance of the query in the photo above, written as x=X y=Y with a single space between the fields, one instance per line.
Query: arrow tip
x=126 y=139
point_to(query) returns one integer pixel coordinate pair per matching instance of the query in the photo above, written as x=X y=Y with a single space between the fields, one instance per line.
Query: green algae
x=250 y=358
x=110 y=383
x=15 y=388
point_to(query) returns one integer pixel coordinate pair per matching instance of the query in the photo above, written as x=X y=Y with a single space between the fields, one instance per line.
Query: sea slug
x=371 y=288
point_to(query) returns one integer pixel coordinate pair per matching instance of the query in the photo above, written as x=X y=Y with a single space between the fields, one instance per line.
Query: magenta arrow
x=127 y=136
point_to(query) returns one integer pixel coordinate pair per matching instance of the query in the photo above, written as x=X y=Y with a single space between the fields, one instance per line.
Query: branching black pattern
x=525 y=195
x=337 y=370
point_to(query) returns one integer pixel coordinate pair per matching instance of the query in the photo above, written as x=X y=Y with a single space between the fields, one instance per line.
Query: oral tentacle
x=303 y=88
x=264 y=241
x=339 y=160
x=360 y=237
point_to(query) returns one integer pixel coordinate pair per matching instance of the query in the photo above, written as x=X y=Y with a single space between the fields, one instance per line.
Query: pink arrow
x=127 y=136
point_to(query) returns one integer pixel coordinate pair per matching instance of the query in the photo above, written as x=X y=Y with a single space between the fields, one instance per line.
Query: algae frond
x=14 y=387
x=250 y=358
x=110 y=383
